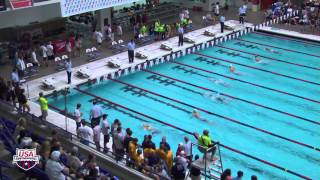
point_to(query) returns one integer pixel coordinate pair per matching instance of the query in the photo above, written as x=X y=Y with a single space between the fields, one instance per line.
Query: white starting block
x=83 y=73
x=141 y=55
x=189 y=39
x=166 y=46
x=230 y=26
x=211 y=32
x=112 y=64
x=48 y=83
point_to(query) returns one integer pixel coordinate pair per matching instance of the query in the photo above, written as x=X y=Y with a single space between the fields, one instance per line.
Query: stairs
x=210 y=169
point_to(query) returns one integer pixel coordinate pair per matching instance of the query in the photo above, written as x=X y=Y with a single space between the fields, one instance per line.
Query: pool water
x=273 y=96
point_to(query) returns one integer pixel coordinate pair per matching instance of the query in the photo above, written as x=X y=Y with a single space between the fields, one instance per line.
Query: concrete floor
x=231 y=13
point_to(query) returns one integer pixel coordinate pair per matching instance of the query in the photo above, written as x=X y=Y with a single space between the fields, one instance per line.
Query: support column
x=103 y=18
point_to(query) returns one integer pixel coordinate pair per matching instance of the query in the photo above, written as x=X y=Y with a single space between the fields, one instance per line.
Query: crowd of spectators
x=55 y=161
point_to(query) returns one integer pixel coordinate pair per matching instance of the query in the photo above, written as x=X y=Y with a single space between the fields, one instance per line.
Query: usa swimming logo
x=26 y=159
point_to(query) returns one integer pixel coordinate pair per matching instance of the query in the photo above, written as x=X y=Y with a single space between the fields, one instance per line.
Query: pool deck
x=99 y=69
x=291 y=33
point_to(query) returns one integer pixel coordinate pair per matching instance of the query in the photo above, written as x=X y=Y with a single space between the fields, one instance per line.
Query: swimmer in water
x=272 y=51
x=258 y=60
x=147 y=127
x=195 y=114
x=216 y=97
x=233 y=70
x=219 y=82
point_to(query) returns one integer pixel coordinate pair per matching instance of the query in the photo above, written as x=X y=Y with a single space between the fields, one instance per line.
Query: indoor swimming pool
x=267 y=109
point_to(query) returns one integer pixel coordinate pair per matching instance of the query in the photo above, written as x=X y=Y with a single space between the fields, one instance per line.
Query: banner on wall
x=73 y=7
x=15 y=4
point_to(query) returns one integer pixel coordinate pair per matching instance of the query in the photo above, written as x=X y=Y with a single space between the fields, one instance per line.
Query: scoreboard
x=73 y=7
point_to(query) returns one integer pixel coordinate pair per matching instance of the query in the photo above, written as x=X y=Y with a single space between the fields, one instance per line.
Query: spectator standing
x=69 y=70
x=127 y=139
x=50 y=51
x=78 y=44
x=239 y=176
x=15 y=77
x=180 y=32
x=217 y=9
x=85 y=133
x=118 y=145
x=23 y=102
x=99 y=36
x=131 y=47
x=44 y=50
x=77 y=114
x=34 y=58
x=222 y=20
x=54 y=169
x=21 y=66
x=119 y=30
x=97 y=136
x=166 y=144
x=43 y=106
x=95 y=113
x=105 y=131
x=188 y=148
x=68 y=47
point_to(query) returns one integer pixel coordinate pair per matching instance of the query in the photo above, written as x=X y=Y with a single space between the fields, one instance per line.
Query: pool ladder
x=209 y=169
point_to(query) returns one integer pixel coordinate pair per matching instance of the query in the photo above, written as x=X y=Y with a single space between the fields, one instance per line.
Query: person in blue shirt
x=222 y=19
x=131 y=47
x=15 y=77
x=180 y=32
x=69 y=70
x=242 y=13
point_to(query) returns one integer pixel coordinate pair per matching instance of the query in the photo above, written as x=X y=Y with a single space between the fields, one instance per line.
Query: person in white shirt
x=34 y=58
x=23 y=140
x=97 y=135
x=217 y=9
x=21 y=66
x=78 y=114
x=186 y=13
x=54 y=169
x=44 y=50
x=95 y=113
x=118 y=143
x=50 y=52
x=119 y=30
x=105 y=131
x=85 y=133
x=187 y=148
x=68 y=47
x=99 y=37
